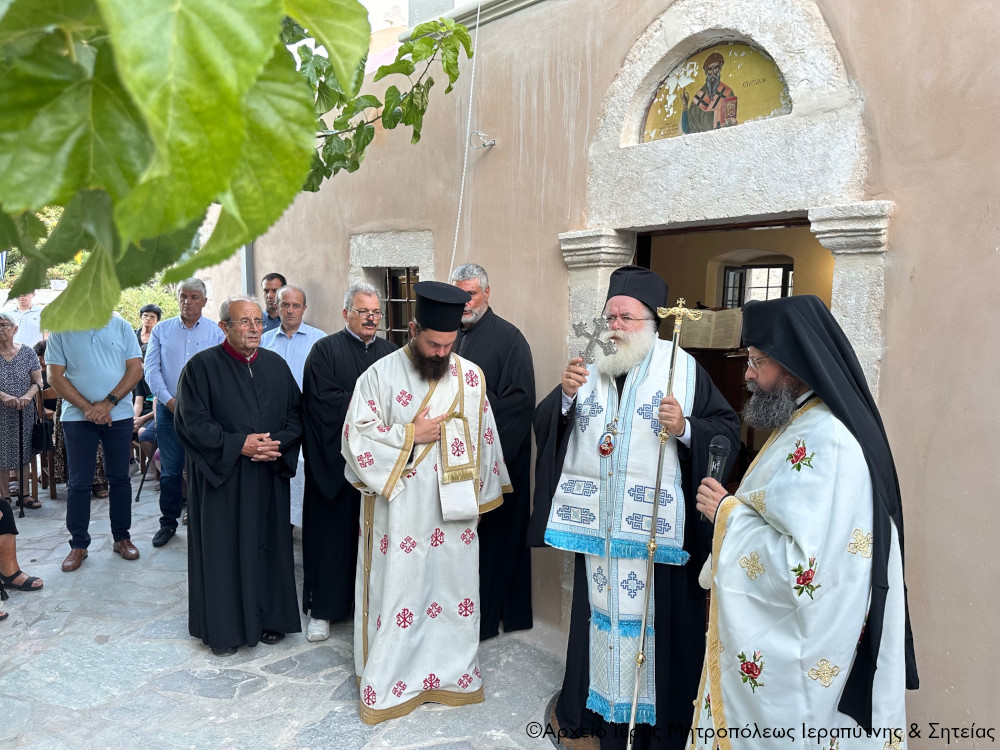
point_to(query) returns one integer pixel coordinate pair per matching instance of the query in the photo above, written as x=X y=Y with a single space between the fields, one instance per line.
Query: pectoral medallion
x=607 y=445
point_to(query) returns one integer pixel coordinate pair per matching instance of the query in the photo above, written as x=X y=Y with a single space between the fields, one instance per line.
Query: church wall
x=926 y=72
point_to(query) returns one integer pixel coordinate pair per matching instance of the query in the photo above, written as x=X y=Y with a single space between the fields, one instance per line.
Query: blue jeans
x=171 y=468
x=81 y=459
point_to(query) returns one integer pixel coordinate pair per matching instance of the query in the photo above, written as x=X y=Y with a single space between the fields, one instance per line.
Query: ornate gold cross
x=679 y=312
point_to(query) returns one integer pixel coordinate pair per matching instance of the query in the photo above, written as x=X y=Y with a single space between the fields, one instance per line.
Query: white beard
x=633 y=346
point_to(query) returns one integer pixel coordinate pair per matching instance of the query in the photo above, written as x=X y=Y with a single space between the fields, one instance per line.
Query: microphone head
x=719 y=446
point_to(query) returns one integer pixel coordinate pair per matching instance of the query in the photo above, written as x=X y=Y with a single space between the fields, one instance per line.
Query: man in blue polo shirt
x=94 y=371
x=292 y=341
x=172 y=343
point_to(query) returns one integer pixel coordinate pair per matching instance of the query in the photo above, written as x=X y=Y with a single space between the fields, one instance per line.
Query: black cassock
x=504 y=558
x=331 y=507
x=680 y=601
x=241 y=574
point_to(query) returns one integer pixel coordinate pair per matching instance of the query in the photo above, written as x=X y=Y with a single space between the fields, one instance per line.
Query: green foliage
x=128 y=118
x=150 y=293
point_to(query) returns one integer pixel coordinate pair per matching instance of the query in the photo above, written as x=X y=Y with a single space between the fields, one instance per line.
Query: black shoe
x=270 y=638
x=224 y=651
x=163 y=536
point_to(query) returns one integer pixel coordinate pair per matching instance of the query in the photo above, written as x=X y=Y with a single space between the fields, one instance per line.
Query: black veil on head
x=804 y=337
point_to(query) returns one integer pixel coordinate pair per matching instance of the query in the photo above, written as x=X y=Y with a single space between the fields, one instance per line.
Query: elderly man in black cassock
x=331 y=506
x=505 y=358
x=597 y=438
x=239 y=418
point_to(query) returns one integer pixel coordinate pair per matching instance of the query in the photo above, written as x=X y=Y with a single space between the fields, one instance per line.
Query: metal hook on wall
x=484 y=140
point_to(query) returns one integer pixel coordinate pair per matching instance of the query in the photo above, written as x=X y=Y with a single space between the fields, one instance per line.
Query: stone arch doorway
x=810 y=164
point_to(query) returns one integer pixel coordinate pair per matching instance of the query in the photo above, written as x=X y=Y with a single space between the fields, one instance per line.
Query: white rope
x=468 y=134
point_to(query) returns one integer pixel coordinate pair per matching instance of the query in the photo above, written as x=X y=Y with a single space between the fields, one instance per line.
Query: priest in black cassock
x=595 y=485
x=239 y=418
x=502 y=353
x=331 y=506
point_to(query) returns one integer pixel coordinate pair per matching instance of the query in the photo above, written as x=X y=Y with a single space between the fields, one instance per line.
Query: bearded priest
x=420 y=442
x=597 y=440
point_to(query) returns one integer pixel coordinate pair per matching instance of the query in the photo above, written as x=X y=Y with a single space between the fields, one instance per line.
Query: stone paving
x=101 y=658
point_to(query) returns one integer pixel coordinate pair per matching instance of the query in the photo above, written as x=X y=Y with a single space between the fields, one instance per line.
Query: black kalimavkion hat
x=439 y=305
x=638 y=283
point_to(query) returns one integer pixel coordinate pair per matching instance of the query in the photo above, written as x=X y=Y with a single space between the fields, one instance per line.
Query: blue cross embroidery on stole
x=600 y=579
x=586 y=410
x=639 y=522
x=572 y=514
x=578 y=487
x=632 y=584
x=650 y=410
x=642 y=494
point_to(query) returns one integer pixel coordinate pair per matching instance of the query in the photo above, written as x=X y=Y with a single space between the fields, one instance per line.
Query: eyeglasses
x=625 y=319
x=248 y=322
x=368 y=314
x=754 y=362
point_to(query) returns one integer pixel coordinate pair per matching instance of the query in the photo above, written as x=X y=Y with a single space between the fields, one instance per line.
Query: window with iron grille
x=399 y=303
x=745 y=283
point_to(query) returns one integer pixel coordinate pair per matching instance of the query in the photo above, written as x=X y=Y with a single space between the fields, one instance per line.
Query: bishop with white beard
x=597 y=439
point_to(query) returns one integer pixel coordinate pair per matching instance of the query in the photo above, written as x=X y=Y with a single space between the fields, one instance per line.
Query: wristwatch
x=112 y=398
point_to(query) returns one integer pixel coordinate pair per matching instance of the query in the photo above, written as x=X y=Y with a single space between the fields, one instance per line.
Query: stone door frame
x=810 y=163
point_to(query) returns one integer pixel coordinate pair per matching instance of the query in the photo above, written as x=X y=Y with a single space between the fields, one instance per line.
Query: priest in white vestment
x=420 y=442
x=808 y=630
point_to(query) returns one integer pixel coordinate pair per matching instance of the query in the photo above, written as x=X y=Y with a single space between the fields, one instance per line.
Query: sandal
x=25 y=585
x=4 y=616
x=29 y=502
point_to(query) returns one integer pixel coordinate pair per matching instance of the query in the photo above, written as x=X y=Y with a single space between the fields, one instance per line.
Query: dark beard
x=430 y=369
x=713 y=83
x=772 y=409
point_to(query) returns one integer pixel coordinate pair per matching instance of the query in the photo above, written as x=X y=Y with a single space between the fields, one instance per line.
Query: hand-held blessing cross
x=594 y=340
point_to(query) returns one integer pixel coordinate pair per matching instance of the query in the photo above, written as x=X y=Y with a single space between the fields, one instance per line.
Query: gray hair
x=224 y=307
x=194 y=284
x=471 y=272
x=360 y=287
x=8 y=317
x=290 y=288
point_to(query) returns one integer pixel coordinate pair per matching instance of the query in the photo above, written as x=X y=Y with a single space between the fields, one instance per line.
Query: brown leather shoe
x=126 y=549
x=74 y=560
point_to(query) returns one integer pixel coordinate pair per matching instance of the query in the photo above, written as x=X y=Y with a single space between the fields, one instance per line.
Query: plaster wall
x=922 y=74
x=693 y=263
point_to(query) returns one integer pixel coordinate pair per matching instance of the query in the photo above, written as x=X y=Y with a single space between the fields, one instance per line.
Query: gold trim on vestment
x=713 y=648
x=401 y=460
x=367 y=545
x=445 y=697
x=467 y=470
x=491 y=505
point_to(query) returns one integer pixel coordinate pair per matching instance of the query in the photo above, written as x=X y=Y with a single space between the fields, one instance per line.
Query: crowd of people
x=409 y=472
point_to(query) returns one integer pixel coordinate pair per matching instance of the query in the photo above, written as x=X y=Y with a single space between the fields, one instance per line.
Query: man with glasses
x=331 y=506
x=505 y=358
x=598 y=449
x=239 y=418
x=807 y=580
x=171 y=344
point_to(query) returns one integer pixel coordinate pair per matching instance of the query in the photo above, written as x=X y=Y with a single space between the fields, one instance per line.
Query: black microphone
x=718 y=452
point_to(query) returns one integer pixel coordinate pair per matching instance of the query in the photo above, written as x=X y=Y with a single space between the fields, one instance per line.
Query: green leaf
x=460 y=33
x=427 y=27
x=391 y=113
x=62 y=130
x=363 y=136
x=148 y=257
x=272 y=166
x=424 y=48
x=341 y=26
x=86 y=221
x=89 y=299
x=326 y=98
x=22 y=17
x=317 y=173
x=449 y=61
x=188 y=65
x=366 y=101
x=314 y=66
x=291 y=32
x=404 y=66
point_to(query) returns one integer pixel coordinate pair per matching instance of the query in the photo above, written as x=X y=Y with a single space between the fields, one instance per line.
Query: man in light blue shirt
x=94 y=371
x=172 y=343
x=292 y=341
x=28 y=317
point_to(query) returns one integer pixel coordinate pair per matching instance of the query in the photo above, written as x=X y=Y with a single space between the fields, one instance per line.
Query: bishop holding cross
x=597 y=437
